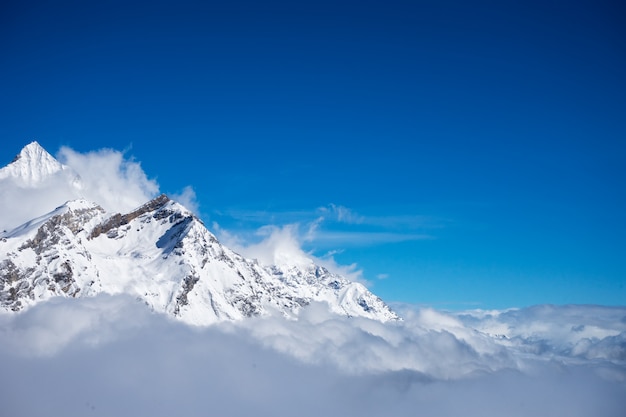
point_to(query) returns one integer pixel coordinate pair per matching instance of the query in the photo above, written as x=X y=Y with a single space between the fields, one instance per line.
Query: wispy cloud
x=187 y=197
x=271 y=235
x=298 y=243
x=284 y=245
x=336 y=225
x=265 y=217
x=363 y=238
x=334 y=214
x=341 y=214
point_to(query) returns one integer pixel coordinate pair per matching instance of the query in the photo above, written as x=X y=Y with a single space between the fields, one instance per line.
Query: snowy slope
x=163 y=255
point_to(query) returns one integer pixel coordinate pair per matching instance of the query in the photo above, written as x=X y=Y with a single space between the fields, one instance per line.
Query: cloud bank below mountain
x=111 y=356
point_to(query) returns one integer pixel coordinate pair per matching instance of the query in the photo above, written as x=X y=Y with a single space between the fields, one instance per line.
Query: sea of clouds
x=111 y=356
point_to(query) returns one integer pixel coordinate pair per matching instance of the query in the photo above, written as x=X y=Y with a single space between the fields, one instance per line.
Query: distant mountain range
x=160 y=253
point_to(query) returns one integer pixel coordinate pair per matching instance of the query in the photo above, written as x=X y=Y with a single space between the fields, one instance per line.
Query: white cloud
x=350 y=271
x=19 y=205
x=108 y=178
x=590 y=332
x=58 y=324
x=279 y=246
x=286 y=243
x=336 y=222
x=363 y=238
x=341 y=214
x=304 y=234
x=283 y=246
x=108 y=356
x=188 y=199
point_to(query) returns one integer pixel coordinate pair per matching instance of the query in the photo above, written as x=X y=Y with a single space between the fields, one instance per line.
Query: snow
x=31 y=226
x=163 y=255
x=33 y=165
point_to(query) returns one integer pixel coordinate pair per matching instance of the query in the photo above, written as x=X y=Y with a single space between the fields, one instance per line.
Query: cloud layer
x=111 y=356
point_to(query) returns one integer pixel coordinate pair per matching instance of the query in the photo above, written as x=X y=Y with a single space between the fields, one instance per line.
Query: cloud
x=279 y=246
x=19 y=205
x=54 y=326
x=257 y=218
x=336 y=221
x=411 y=222
x=105 y=177
x=590 y=332
x=309 y=233
x=303 y=240
x=188 y=199
x=325 y=238
x=108 y=178
x=350 y=271
x=109 y=356
x=283 y=246
x=341 y=214
x=270 y=236
x=360 y=346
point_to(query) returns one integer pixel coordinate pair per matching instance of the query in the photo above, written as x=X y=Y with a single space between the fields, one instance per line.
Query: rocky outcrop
x=118 y=220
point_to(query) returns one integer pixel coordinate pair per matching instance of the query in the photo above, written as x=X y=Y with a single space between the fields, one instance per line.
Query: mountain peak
x=34 y=146
x=32 y=165
x=160 y=253
x=34 y=152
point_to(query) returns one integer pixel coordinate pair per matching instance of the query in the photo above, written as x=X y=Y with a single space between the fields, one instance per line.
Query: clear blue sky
x=474 y=151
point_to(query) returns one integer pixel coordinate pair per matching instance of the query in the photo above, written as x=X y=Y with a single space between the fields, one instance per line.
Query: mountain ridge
x=163 y=255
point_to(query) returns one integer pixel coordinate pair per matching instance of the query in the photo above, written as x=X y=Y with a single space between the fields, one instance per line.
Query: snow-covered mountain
x=159 y=253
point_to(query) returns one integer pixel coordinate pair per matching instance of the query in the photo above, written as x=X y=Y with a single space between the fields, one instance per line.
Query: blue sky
x=461 y=154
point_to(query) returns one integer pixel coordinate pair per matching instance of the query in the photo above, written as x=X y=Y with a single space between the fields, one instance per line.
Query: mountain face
x=163 y=255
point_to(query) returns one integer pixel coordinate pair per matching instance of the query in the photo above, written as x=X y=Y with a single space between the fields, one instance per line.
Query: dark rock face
x=12 y=286
x=118 y=220
x=188 y=284
x=51 y=270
